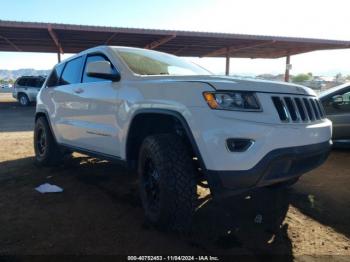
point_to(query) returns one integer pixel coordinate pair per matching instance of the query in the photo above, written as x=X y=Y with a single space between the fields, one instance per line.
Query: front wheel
x=167 y=182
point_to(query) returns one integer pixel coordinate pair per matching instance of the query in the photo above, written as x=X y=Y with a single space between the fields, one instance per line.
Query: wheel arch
x=43 y=113
x=21 y=93
x=166 y=120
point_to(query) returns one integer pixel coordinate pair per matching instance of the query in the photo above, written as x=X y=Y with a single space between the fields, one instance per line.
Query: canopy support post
x=56 y=42
x=59 y=57
x=227 y=71
x=288 y=67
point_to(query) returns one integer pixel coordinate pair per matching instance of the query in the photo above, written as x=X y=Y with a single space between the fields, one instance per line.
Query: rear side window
x=55 y=76
x=30 y=82
x=72 y=72
x=33 y=82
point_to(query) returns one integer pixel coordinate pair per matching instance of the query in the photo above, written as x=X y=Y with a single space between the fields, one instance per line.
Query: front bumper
x=277 y=166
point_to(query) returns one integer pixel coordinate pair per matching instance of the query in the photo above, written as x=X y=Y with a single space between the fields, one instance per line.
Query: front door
x=337 y=108
x=98 y=115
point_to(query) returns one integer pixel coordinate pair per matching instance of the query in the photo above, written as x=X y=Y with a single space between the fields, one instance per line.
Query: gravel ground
x=99 y=211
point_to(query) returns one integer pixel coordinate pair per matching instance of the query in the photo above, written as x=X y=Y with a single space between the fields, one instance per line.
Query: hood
x=242 y=84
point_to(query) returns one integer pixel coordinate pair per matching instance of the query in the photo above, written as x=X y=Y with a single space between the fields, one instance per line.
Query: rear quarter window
x=55 y=75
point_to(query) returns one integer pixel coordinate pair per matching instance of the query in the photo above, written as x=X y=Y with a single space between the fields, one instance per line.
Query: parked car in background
x=6 y=86
x=26 y=89
x=336 y=103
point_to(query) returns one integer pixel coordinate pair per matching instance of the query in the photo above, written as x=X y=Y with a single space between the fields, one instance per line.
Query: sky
x=313 y=19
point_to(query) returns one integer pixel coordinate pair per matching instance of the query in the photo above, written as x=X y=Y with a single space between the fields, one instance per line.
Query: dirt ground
x=99 y=211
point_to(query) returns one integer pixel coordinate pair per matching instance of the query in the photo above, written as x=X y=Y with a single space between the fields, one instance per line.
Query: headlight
x=235 y=100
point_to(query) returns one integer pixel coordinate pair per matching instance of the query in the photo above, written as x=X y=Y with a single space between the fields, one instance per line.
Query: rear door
x=66 y=106
x=33 y=86
x=49 y=97
x=337 y=107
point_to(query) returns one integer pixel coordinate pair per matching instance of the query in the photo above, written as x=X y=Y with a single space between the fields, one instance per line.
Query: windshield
x=148 y=62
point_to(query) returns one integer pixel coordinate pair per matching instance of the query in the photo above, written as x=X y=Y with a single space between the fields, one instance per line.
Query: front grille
x=297 y=109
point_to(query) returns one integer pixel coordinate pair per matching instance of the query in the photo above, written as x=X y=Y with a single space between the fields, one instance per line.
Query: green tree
x=301 y=78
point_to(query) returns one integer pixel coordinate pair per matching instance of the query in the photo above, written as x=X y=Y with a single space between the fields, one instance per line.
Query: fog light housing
x=238 y=144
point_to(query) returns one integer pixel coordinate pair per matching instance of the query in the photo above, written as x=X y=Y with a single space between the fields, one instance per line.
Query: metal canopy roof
x=66 y=38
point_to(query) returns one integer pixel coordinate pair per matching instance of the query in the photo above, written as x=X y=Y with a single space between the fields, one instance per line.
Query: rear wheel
x=23 y=100
x=47 y=152
x=167 y=182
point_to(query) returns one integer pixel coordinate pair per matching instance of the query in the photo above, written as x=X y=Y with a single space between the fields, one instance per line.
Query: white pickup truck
x=178 y=126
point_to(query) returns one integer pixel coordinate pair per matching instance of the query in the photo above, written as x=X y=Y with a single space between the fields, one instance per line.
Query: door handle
x=79 y=91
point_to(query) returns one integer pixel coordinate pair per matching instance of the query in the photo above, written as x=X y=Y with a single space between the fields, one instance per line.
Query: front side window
x=94 y=58
x=55 y=76
x=72 y=72
x=148 y=62
x=30 y=82
x=339 y=103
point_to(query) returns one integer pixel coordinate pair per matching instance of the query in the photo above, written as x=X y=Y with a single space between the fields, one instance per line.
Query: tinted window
x=39 y=82
x=30 y=82
x=22 y=81
x=55 y=75
x=94 y=58
x=72 y=72
x=34 y=82
x=339 y=103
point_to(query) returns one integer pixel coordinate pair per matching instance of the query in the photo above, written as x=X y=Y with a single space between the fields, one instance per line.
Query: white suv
x=179 y=126
x=26 y=89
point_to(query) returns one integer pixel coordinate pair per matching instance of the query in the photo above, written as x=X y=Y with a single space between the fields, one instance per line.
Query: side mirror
x=102 y=69
x=337 y=101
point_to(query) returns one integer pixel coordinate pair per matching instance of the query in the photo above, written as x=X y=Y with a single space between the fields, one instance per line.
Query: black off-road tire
x=23 y=100
x=172 y=161
x=51 y=155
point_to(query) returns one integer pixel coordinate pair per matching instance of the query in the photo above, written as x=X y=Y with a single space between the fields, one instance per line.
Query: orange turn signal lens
x=210 y=98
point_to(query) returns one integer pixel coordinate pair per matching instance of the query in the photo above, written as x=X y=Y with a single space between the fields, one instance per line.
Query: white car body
x=96 y=117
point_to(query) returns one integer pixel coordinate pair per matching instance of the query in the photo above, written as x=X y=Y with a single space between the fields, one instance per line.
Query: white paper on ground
x=48 y=188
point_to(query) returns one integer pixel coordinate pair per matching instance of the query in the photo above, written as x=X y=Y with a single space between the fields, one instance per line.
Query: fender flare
x=183 y=122
x=44 y=112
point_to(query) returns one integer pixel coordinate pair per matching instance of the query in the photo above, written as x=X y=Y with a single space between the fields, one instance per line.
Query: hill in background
x=14 y=74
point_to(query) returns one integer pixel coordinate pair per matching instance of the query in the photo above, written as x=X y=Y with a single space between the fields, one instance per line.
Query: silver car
x=336 y=103
x=26 y=89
